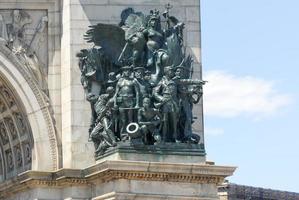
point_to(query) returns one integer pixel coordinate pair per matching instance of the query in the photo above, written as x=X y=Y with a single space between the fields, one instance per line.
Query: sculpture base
x=168 y=153
x=121 y=180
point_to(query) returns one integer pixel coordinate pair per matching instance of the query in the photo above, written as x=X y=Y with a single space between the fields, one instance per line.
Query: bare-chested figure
x=126 y=98
x=149 y=119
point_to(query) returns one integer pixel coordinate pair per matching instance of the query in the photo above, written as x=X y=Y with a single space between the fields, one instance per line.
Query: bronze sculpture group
x=137 y=78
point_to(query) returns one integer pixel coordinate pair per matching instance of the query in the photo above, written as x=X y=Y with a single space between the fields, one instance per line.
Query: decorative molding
x=53 y=10
x=15 y=133
x=116 y=170
x=42 y=99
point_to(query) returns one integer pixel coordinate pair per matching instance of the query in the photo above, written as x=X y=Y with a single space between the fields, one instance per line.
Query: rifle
x=195 y=82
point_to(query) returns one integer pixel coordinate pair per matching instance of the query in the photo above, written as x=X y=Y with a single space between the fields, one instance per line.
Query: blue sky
x=250 y=54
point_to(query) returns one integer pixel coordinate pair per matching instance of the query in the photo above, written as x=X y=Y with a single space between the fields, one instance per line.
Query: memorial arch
x=27 y=128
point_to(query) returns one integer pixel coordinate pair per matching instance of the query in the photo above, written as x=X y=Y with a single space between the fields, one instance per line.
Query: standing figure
x=185 y=104
x=143 y=84
x=166 y=95
x=154 y=36
x=92 y=78
x=149 y=119
x=16 y=34
x=126 y=98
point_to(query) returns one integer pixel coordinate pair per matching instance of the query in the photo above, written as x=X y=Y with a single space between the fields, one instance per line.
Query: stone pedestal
x=169 y=153
x=123 y=179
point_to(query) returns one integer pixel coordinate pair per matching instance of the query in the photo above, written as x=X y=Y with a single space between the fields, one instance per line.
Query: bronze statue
x=149 y=118
x=103 y=134
x=165 y=93
x=126 y=98
x=143 y=84
x=138 y=80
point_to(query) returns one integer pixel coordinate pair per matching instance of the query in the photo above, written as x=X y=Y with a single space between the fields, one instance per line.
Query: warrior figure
x=126 y=98
x=185 y=104
x=143 y=83
x=153 y=34
x=166 y=95
x=103 y=134
x=149 y=119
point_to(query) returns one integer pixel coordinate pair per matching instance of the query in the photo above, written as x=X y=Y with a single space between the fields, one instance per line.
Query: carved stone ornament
x=138 y=80
x=22 y=32
x=15 y=136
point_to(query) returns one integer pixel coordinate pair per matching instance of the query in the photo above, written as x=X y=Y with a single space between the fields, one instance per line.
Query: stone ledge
x=168 y=153
x=115 y=170
x=126 y=196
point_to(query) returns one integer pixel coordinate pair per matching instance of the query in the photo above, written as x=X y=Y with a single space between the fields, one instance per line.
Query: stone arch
x=34 y=108
x=16 y=137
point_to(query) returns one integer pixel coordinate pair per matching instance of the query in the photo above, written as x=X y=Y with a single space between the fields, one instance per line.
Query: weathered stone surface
x=59 y=121
x=78 y=14
x=168 y=153
x=120 y=179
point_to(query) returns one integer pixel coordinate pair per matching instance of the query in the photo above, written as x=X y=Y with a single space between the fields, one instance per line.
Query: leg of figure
x=164 y=127
x=173 y=125
x=188 y=120
x=123 y=121
x=144 y=131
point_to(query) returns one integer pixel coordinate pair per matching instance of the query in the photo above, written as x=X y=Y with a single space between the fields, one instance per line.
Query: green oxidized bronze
x=138 y=80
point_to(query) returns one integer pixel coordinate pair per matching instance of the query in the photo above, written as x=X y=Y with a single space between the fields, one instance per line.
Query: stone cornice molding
x=113 y=170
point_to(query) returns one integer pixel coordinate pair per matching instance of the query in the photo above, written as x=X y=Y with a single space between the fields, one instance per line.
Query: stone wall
x=77 y=15
x=120 y=180
x=21 y=22
x=68 y=113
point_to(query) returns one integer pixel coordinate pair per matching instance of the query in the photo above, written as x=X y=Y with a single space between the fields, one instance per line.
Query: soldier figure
x=166 y=95
x=185 y=104
x=103 y=134
x=143 y=84
x=126 y=98
x=149 y=119
x=159 y=78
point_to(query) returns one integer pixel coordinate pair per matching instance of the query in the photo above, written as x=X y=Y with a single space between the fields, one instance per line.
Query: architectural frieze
x=116 y=170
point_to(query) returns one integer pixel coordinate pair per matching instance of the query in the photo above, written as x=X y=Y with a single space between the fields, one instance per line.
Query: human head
x=139 y=72
x=126 y=71
x=154 y=19
x=112 y=76
x=146 y=102
x=147 y=75
x=152 y=23
x=110 y=90
x=16 y=15
x=180 y=72
x=169 y=71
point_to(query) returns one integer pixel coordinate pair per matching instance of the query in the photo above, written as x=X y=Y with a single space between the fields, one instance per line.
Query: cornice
x=115 y=170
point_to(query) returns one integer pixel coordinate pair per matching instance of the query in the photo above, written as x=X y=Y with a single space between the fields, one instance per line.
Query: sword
x=38 y=28
x=122 y=52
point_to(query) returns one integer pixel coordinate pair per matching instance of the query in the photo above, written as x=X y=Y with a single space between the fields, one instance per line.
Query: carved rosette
x=15 y=136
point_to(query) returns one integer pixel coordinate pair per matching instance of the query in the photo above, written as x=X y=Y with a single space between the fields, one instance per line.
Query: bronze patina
x=138 y=80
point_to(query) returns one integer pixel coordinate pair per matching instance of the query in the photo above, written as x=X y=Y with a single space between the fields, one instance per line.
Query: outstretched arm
x=156 y=92
x=115 y=95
